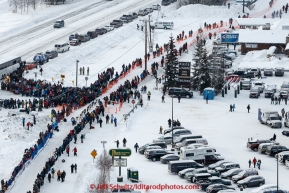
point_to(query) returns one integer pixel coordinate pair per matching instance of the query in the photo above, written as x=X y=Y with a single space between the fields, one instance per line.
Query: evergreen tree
x=201 y=75
x=172 y=65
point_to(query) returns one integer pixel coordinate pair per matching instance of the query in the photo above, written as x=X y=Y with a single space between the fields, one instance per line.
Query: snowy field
x=225 y=131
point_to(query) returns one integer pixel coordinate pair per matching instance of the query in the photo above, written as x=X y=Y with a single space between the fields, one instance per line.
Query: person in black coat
x=49 y=177
x=136 y=147
x=170 y=122
x=124 y=142
x=75 y=168
x=72 y=168
x=100 y=122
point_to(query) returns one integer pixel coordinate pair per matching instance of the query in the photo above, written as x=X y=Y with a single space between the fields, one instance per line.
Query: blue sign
x=229 y=38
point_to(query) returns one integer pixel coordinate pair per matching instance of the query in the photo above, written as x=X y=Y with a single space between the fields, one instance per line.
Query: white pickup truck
x=271 y=119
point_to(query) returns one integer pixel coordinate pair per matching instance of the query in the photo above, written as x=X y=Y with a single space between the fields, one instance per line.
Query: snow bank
x=271 y=50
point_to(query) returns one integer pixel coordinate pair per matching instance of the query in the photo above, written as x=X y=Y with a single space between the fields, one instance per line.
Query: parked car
x=285 y=86
x=142 y=149
x=217 y=164
x=149 y=9
x=226 y=167
x=273 y=190
x=62 y=47
x=155 y=154
x=176 y=166
x=251 y=181
x=152 y=147
x=75 y=42
x=246 y=84
x=179 y=132
x=92 y=34
x=84 y=37
x=180 y=92
x=268 y=72
x=100 y=31
x=286 y=133
x=263 y=188
x=51 y=54
x=183 y=172
x=166 y=138
x=256 y=71
x=232 y=172
x=133 y=15
x=126 y=18
x=213 y=180
x=214 y=188
x=287 y=163
x=274 y=149
x=260 y=85
x=116 y=23
x=58 y=24
x=170 y=157
x=173 y=128
x=253 y=145
x=156 y=7
x=109 y=28
x=273 y=121
x=221 y=62
x=242 y=73
x=242 y=175
x=263 y=147
x=190 y=176
x=142 y=12
x=166 y=2
x=255 y=92
x=73 y=36
x=279 y=71
x=284 y=94
x=270 y=90
x=211 y=159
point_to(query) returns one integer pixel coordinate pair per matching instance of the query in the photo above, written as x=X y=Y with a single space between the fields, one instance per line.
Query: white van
x=187 y=142
x=61 y=47
x=164 y=25
x=195 y=154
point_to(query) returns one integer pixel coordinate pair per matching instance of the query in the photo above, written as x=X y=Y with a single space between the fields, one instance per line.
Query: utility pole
x=243 y=6
x=146 y=43
x=76 y=72
x=150 y=28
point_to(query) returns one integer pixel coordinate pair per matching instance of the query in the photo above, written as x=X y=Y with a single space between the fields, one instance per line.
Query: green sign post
x=120 y=152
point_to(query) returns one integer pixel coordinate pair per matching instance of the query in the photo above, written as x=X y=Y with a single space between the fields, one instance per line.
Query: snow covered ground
x=227 y=132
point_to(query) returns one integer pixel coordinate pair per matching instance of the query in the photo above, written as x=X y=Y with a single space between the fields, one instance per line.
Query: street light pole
x=172 y=120
x=243 y=6
x=277 y=173
x=76 y=72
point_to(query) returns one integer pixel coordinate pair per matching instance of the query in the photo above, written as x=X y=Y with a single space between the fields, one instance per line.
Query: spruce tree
x=172 y=65
x=201 y=74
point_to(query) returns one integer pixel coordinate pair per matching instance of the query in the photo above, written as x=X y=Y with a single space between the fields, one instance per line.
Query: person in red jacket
x=75 y=152
x=254 y=162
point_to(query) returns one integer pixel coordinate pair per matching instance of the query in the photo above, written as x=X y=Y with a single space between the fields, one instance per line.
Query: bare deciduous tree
x=104 y=165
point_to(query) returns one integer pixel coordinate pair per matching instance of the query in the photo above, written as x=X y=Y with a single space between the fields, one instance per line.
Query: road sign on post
x=93 y=154
x=117 y=162
x=120 y=152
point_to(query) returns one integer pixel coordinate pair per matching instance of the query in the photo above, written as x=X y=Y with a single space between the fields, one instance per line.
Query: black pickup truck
x=212 y=180
x=244 y=74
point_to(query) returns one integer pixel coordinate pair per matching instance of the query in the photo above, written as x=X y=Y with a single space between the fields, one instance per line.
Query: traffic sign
x=120 y=162
x=93 y=153
x=132 y=101
x=120 y=152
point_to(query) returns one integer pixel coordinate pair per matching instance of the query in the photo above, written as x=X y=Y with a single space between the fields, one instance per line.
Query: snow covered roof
x=254 y=21
x=263 y=36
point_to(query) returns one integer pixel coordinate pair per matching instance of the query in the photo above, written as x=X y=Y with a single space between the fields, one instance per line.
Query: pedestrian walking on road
x=74 y=151
x=58 y=175
x=100 y=122
x=136 y=147
x=254 y=162
x=170 y=122
x=161 y=130
x=75 y=168
x=124 y=142
x=249 y=163
x=49 y=177
x=179 y=98
x=259 y=164
x=233 y=107
x=52 y=172
x=117 y=143
x=72 y=168
x=115 y=121
x=230 y=108
x=248 y=107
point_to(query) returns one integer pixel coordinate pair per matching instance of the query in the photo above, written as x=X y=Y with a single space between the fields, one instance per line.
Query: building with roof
x=259 y=34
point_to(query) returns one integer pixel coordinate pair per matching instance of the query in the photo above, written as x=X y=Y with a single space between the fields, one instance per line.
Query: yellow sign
x=93 y=153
